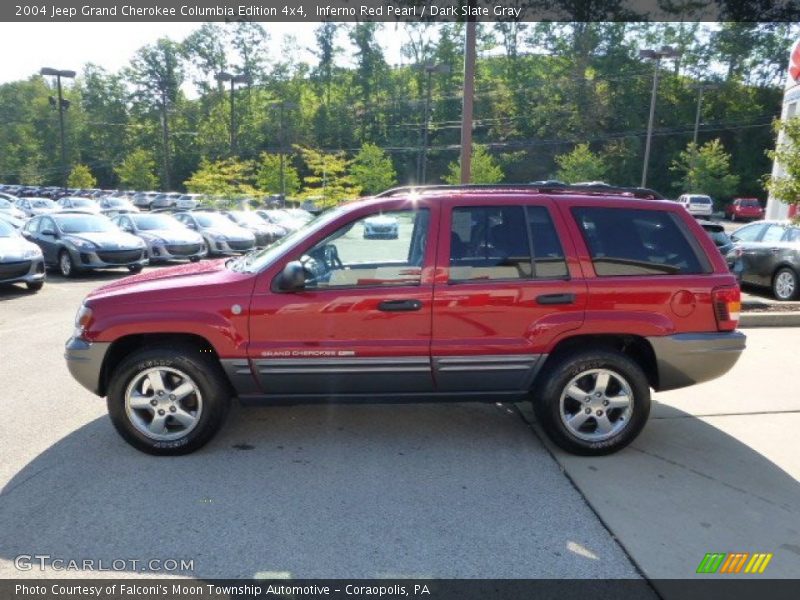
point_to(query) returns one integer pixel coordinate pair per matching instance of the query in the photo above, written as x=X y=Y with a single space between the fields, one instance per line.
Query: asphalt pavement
x=456 y=490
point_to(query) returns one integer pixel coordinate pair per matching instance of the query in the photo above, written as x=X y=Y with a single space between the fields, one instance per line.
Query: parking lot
x=454 y=490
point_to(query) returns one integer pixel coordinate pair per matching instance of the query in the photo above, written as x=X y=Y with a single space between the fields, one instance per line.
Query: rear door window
x=774 y=233
x=628 y=242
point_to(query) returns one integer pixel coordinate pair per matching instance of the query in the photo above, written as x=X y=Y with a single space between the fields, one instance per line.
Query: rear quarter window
x=629 y=242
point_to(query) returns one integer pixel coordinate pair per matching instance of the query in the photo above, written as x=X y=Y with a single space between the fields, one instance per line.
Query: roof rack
x=598 y=190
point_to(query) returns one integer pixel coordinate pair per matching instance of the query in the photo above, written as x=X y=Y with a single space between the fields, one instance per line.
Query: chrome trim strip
x=501 y=362
x=405 y=364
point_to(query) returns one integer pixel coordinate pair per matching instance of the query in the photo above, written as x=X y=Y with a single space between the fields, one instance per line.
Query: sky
x=27 y=47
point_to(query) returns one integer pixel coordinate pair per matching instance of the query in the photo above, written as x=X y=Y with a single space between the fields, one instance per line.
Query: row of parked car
x=75 y=234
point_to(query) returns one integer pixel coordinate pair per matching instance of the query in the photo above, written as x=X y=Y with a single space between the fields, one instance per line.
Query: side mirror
x=734 y=238
x=48 y=232
x=293 y=277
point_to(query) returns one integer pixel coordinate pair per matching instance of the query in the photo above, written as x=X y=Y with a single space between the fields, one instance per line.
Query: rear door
x=504 y=290
x=765 y=255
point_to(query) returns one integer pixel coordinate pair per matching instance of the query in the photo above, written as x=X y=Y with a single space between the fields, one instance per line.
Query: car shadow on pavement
x=426 y=490
x=692 y=485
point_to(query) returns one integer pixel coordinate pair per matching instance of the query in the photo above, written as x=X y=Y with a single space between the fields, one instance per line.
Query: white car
x=33 y=207
x=698 y=205
x=381 y=226
x=82 y=204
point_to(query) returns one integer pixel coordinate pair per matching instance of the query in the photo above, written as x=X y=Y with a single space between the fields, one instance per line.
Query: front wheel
x=785 y=284
x=35 y=286
x=593 y=402
x=168 y=400
x=135 y=268
x=65 y=264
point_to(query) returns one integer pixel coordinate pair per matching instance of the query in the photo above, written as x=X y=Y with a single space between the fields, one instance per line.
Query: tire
x=733 y=218
x=34 y=286
x=135 y=268
x=580 y=371
x=194 y=259
x=65 y=265
x=785 y=284
x=133 y=402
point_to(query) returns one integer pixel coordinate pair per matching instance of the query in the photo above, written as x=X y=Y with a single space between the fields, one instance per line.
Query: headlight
x=79 y=243
x=35 y=252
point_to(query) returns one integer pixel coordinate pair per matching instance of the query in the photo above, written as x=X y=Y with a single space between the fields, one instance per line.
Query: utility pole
x=701 y=87
x=655 y=56
x=469 y=93
x=62 y=105
x=234 y=79
x=282 y=108
x=422 y=157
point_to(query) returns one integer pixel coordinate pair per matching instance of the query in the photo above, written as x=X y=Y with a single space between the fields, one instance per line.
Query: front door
x=362 y=324
x=504 y=290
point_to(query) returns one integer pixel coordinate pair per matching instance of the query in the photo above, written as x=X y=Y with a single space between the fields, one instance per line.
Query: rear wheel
x=593 y=402
x=785 y=284
x=168 y=400
x=34 y=286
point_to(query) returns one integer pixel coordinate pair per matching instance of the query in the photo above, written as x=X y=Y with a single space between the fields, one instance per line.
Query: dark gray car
x=75 y=242
x=767 y=254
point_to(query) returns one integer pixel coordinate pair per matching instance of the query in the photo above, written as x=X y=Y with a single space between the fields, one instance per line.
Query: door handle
x=399 y=305
x=556 y=299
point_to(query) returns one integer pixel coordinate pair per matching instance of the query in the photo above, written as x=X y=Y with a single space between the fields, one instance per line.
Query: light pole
x=701 y=87
x=62 y=105
x=467 y=101
x=655 y=56
x=234 y=79
x=282 y=108
x=422 y=158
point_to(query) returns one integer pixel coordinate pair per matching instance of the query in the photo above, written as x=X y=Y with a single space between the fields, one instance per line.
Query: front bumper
x=173 y=252
x=387 y=234
x=220 y=248
x=685 y=359
x=34 y=272
x=91 y=259
x=85 y=362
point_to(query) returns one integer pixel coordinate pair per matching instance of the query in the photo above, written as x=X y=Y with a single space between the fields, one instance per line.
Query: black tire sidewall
x=207 y=376
x=546 y=400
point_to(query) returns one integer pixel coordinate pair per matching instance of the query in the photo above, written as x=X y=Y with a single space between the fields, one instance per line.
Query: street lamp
x=701 y=87
x=422 y=161
x=283 y=107
x=655 y=56
x=62 y=105
x=234 y=79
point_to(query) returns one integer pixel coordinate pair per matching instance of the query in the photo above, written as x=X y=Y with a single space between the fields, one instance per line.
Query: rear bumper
x=685 y=359
x=85 y=362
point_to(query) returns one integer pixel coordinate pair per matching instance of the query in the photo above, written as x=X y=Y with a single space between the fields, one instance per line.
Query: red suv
x=744 y=209
x=581 y=301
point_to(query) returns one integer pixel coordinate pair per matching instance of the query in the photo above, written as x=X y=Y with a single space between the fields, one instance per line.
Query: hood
x=192 y=280
x=172 y=236
x=109 y=239
x=14 y=248
x=13 y=211
x=234 y=232
x=41 y=210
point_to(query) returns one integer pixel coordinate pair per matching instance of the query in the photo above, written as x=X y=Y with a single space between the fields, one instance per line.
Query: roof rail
x=599 y=190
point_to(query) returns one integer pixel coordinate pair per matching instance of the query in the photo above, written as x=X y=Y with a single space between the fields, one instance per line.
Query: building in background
x=791 y=108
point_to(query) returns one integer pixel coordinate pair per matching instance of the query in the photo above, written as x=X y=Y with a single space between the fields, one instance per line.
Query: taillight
x=727 y=305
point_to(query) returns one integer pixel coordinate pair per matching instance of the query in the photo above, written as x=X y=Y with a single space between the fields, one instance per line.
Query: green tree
x=786 y=187
x=329 y=182
x=137 y=171
x=81 y=177
x=268 y=175
x=580 y=165
x=372 y=170
x=706 y=169
x=230 y=179
x=483 y=168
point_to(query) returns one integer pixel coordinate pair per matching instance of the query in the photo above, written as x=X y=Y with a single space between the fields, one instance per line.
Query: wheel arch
x=124 y=346
x=637 y=348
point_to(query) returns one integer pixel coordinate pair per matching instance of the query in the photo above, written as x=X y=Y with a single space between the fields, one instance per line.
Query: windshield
x=43 y=203
x=85 y=224
x=4 y=203
x=247 y=218
x=6 y=230
x=82 y=202
x=700 y=200
x=151 y=222
x=750 y=203
x=255 y=261
x=114 y=202
x=214 y=220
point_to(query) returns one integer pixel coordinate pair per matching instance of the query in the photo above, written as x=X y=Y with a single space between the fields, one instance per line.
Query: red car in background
x=744 y=209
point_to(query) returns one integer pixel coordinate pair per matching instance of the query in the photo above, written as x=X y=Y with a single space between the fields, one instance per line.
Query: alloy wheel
x=596 y=405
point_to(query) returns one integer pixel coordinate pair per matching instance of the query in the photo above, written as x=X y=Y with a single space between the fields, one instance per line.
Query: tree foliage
x=81 y=177
x=137 y=171
x=328 y=183
x=372 y=170
x=786 y=185
x=581 y=164
x=706 y=170
x=230 y=179
x=268 y=176
x=483 y=168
